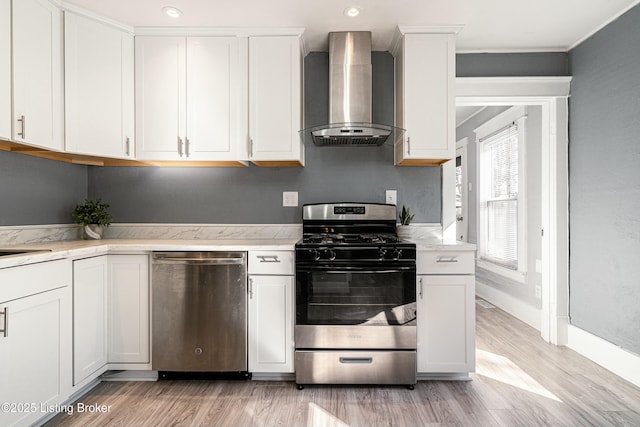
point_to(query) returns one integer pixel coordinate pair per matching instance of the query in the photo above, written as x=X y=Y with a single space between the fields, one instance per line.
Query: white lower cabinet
x=35 y=340
x=271 y=311
x=445 y=312
x=89 y=318
x=128 y=309
x=271 y=324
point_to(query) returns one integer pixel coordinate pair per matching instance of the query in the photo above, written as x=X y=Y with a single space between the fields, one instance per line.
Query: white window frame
x=516 y=115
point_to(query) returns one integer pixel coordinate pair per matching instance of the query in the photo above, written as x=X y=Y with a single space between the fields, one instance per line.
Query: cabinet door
x=213 y=79
x=160 y=65
x=35 y=354
x=446 y=324
x=98 y=88
x=274 y=99
x=5 y=69
x=271 y=324
x=128 y=309
x=426 y=105
x=89 y=317
x=37 y=74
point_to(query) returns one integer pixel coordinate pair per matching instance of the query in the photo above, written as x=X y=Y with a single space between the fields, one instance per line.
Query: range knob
x=382 y=253
x=331 y=254
x=315 y=254
x=397 y=253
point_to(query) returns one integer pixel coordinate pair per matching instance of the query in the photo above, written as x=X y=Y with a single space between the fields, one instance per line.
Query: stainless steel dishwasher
x=199 y=311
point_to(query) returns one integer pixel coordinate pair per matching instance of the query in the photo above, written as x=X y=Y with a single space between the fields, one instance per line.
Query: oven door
x=356 y=307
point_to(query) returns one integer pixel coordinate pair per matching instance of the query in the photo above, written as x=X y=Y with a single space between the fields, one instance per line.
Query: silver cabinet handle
x=126 y=142
x=250 y=288
x=250 y=147
x=180 y=146
x=5 y=327
x=23 y=122
x=408 y=146
x=420 y=292
x=268 y=258
x=187 y=147
x=447 y=259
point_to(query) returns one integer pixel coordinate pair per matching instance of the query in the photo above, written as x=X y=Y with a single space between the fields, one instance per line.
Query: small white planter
x=92 y=232
x=404 y=232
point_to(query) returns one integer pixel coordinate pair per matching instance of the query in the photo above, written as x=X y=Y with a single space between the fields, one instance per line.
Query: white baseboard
x=610 y=356
x=518 y=309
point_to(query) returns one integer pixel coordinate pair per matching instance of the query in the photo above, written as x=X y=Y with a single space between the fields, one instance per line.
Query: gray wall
x=604 y=180
x=254 y=195
x=39 y=191
x=512 y=64
x=523 y=291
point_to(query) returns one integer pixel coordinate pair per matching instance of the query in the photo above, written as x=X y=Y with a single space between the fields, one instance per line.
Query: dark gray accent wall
x=254 y=195
x=604 y=182
x=512 y=64
x=39 y=191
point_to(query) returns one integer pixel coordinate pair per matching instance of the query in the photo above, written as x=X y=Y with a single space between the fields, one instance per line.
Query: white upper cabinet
x=425 y=98
x=5 y=69
x=99 y=91
x=187 y=95
x=275 y=100
x=37 y=74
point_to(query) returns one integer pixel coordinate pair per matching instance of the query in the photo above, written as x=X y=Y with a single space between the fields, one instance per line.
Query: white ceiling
x=488 y=25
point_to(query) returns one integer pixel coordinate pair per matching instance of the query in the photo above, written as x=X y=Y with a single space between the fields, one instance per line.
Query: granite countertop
x=431 y=245
x=49 y=251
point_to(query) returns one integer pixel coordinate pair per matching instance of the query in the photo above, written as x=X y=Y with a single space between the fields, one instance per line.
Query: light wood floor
x=520 y=381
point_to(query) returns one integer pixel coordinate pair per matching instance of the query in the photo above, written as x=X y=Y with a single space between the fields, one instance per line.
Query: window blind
x=501 y=148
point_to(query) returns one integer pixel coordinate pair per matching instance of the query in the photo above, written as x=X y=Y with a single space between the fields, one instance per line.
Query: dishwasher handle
x=198 y=261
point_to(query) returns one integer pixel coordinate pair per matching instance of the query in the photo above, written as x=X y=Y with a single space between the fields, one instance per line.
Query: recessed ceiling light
x=172 y=12
x=352 y=11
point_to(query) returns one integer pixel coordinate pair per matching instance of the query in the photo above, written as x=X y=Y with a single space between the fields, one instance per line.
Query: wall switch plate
x=538 y=266
x=538 y=292
x=391 y=197
x=289 y=199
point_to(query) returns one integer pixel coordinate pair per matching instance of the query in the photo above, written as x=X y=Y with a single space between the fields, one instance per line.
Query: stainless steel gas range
x=355 y=297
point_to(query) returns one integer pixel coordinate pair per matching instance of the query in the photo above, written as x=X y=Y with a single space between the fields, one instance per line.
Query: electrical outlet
x=538 y=292
x=289 y=199
x=538 y=266
x=391 y=197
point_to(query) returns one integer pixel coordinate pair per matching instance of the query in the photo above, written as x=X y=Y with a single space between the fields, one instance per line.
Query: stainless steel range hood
x=350 y=96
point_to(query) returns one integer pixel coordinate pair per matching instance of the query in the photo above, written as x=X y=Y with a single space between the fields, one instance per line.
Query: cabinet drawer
x=445 y=262
x=271 y=262
x=22 y=281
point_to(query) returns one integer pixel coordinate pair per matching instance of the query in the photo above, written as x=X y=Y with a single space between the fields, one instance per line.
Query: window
x=501 y=185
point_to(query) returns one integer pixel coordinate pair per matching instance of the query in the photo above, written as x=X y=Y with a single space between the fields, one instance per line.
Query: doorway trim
x=551 y=93
x=461 y=150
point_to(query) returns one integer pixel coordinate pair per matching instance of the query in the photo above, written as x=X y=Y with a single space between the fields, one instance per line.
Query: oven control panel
x=349 y=210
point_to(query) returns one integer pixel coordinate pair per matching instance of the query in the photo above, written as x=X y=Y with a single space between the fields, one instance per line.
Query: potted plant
x=93 y=216
x=405 y=219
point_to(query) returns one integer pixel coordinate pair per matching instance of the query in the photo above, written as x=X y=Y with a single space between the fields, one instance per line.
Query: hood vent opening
x=350 y=97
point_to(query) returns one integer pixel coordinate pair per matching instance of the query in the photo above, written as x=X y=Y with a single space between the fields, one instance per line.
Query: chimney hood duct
x=350 y=96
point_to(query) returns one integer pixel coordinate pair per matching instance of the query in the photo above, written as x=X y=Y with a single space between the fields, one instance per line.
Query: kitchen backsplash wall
x=39 y=191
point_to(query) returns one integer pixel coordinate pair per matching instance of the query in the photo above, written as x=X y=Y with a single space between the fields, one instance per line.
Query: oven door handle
x=334 y=269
